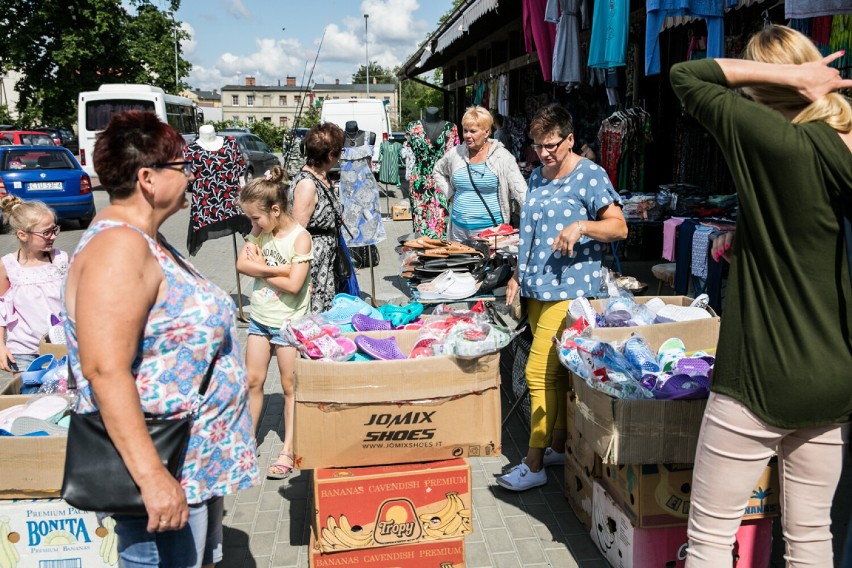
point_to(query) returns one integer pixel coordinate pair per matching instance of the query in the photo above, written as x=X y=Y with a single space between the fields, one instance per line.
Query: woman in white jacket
x=479 y=177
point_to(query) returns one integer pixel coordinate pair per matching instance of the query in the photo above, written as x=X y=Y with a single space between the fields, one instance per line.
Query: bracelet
x=581 y=228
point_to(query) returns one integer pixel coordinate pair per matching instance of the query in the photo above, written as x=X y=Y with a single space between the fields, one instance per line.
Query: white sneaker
x=521 y=478
x=552 y=457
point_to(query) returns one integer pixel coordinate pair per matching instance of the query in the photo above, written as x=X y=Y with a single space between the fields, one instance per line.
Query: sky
x=230 y=39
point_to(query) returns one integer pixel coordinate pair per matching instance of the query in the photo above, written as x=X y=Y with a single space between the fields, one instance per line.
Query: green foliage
x=377 y=72
x=448 y=13
x=266 y=131
x=62 y=48
x=416 y=97
x=310 y=117
x=5 y=115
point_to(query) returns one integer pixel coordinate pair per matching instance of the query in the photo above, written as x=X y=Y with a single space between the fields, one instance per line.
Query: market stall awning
x=461 y=23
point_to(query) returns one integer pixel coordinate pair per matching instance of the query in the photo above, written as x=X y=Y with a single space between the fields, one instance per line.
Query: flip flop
x=500 y=230
x=365 y=323
x=380 y=349
x=279 y=469
x=29 y=426
x=331 y=348
x=32 y=378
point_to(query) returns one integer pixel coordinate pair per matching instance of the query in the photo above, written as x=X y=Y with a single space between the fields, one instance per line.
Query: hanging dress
x=323 y=229
x=359 y=194
x=214 y=210
x=428 y=204
x=566 y=55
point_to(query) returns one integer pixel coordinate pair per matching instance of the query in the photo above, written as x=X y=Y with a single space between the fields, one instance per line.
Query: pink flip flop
x=331 y=348
x=381 y=349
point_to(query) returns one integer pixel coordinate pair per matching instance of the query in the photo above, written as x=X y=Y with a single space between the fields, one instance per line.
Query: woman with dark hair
x=570 y=211
x=316 y=207
x=781 y=381
x=143 y=329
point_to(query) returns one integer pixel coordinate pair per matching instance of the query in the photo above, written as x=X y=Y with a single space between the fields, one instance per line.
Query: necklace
x=351 y=138
x=321 y=178
x=26 y=261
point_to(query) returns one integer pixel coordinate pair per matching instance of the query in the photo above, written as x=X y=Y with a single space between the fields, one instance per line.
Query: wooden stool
x=665 y=273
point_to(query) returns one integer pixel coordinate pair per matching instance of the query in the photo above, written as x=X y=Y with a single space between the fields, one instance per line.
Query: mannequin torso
x=208 y=139
x=432 y=123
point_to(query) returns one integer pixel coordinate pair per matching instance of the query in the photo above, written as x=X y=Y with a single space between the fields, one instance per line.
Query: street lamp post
x=174 y=26
x=367 y=52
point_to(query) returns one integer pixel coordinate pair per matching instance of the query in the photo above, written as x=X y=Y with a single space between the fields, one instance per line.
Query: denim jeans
x=138 y=548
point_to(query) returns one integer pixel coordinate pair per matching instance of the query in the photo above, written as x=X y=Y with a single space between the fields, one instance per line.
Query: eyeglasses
x=549 y=147
x=185 y=166
x=51 y=232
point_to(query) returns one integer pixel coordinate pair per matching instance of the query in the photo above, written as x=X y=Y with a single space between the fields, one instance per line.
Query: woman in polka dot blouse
x=570 y=213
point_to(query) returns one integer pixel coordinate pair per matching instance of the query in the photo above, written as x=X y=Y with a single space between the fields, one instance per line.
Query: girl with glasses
x=30 y=282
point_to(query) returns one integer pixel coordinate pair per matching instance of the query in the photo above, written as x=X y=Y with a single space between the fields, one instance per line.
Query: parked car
x=398 y=137
x=50 y=174
x=257 y=154
x=62 y=137
x=28 y=137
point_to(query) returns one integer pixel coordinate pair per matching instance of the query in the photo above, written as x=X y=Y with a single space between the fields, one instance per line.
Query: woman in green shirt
x=782 y=380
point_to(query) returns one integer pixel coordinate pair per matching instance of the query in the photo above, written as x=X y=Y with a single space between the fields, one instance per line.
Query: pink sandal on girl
x=282 y=467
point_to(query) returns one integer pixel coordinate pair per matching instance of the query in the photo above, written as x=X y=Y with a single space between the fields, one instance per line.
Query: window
x=267 y=100
x=235 y=118
x=251 y=120
x=250 y=100
x=297 y=100
x=282 y=100
x=267 y=119
x=282 y=121
x=235 y=100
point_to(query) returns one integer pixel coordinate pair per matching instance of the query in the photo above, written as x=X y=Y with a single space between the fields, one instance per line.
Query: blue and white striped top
x=468 y=211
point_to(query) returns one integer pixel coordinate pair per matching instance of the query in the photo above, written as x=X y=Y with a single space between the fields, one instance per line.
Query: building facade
x=250 y=103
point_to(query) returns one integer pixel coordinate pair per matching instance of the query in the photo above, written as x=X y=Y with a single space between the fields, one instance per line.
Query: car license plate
x=43 y=185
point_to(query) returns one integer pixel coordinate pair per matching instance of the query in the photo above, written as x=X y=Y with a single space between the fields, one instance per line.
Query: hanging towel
x=713 y=11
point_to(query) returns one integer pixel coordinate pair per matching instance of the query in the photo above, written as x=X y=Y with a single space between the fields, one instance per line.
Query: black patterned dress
x=214 y=210
x=324 y=233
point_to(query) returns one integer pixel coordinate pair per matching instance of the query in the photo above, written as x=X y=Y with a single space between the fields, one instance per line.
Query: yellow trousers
x=546 y=377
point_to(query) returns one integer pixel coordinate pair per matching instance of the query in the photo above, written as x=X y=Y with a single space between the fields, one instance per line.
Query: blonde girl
x=30 y=282
x=277 y=254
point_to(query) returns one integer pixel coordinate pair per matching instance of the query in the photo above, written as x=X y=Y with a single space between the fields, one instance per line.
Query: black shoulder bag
x=96 y=478
x=342 y=266
x=479 y=194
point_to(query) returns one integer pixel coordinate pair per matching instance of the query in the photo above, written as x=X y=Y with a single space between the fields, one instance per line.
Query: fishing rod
x=302 y=99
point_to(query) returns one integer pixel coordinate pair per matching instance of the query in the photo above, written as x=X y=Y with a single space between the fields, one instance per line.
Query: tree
x=377 y=72
x=416 y=97
x=310 y=117
x=62 y=48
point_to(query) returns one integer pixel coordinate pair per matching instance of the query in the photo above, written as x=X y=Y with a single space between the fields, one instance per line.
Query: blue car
x=50 y=174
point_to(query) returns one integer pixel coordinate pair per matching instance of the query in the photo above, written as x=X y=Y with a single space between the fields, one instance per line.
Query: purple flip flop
x=381 y=349
x=365 y=323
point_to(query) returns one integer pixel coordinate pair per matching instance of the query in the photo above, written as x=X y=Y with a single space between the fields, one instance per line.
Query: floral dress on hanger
x=214 y=210
x=428 y=204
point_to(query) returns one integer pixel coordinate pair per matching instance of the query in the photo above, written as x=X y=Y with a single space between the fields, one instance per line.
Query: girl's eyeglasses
x=51 y=232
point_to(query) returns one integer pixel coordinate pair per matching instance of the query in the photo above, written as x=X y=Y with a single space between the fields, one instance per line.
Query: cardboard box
x=56 y=349
x=659 y=495
x=371 y=507
x=50 y=532
x=578 y=491
x=389 y=412
x=645 y=431
x=33 y=467
x=674 y=329
x=626 y=546
x=401 y=212
x=13 y=386
x=576 y=446
x=428 y=554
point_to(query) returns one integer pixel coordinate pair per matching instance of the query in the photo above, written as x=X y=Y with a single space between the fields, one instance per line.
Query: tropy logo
x=396 y=522
x=391 y=421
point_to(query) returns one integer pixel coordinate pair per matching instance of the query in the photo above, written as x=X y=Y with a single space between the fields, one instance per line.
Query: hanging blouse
x=608 y=47
x=214 y=209
x=539 y=35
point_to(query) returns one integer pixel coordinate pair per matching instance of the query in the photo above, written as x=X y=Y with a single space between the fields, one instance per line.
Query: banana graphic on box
x=109 y=545
x=339 y=535
x=452 y=520
x=9 y=557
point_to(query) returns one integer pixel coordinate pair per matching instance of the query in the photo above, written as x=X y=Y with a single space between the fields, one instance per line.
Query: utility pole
x=367 y=51
x=174 y=26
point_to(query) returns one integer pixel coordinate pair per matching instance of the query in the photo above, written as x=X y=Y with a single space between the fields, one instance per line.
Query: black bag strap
x=328 y=194
x=479 y=194
x=205 y=383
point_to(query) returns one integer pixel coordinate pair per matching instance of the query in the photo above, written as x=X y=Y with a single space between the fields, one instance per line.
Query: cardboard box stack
x=387 y=441
x=38 y=529
x=628 y=464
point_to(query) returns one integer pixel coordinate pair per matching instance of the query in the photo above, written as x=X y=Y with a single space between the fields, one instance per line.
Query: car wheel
x=249 y=175
x=87 y=220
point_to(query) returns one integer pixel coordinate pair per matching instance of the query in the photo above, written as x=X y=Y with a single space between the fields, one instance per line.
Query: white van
x=370 y=114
